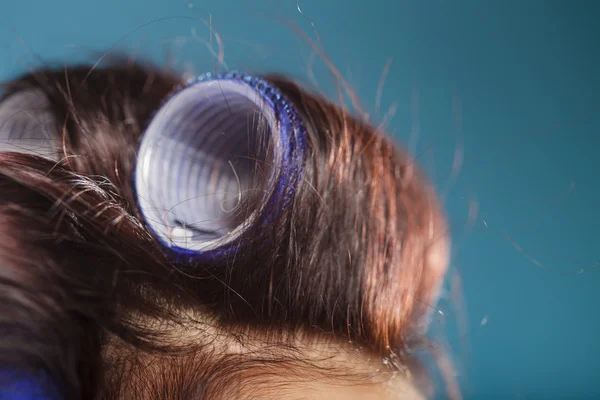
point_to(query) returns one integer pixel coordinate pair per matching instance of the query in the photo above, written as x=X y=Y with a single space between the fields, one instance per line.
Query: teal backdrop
x=500 y=100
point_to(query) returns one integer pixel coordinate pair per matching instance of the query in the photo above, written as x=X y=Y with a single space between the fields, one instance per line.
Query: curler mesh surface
x=198 y=160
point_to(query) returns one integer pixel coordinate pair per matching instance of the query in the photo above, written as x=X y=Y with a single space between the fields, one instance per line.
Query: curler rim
x=289 y=132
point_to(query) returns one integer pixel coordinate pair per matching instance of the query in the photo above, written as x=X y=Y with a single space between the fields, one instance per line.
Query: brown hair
x=88 y=295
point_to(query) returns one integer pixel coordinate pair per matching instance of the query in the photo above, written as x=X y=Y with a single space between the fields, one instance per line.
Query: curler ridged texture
x=218 y=152
x=27 y=126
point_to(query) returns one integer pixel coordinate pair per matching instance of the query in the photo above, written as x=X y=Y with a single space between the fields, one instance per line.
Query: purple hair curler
x=198 y=156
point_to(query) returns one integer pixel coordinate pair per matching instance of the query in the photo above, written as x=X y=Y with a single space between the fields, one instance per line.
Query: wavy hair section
x=88 y=295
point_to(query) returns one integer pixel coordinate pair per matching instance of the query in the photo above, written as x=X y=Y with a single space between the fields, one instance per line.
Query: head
x=156 y=245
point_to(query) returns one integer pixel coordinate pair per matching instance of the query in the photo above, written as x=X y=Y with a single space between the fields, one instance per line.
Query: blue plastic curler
x=19 y=386
x=198 y=156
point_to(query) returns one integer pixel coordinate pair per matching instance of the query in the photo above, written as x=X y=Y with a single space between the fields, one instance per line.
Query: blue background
x=500 y=100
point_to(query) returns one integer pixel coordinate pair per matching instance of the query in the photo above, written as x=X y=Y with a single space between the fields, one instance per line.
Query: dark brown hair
x=89 y=296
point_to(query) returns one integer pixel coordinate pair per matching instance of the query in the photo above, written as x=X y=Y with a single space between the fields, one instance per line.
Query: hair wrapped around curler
x=177 y=240
x=221 y=155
